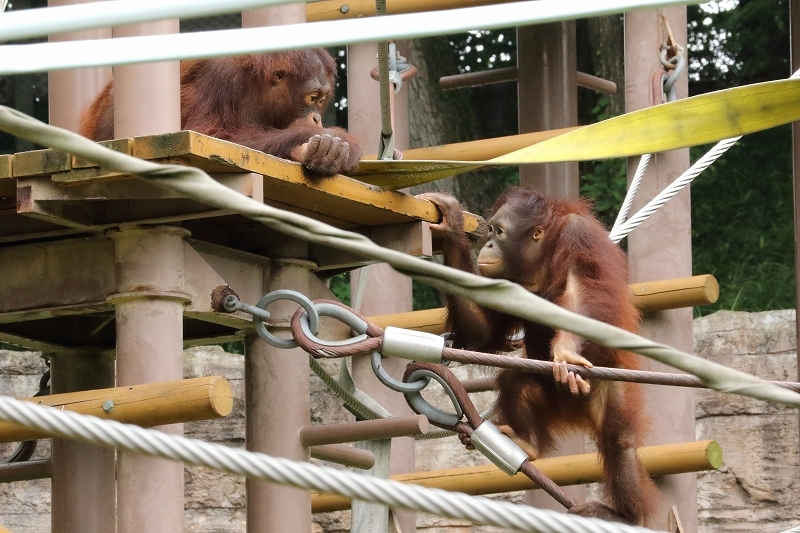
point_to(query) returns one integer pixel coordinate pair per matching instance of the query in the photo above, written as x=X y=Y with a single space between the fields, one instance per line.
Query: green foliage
x=425 y=297
x=340 y=286
x=742 y=229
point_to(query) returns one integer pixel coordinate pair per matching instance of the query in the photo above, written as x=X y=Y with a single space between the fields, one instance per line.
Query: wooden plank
x=40 y=163
x=286 y=182
x=124 y=146
x=8 y=187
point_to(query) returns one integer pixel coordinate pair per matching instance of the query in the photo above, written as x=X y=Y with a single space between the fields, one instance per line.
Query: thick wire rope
x=793 y=530
x=622 y=216
x=500 y=295
x=621 y=228
x=622 y=231
x=111 y=434
x=353 y=405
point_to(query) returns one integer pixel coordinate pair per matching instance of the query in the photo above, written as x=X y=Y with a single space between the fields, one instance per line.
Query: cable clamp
x=413 y=345
x=498 y=448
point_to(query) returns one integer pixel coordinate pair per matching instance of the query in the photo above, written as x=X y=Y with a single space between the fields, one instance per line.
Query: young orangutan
x=269 y=102
x=558 y=250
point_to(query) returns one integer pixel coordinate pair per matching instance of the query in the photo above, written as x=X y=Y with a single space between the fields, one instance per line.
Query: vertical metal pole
x=147 y=97
x=149 y=314
x=84 y=491
x=277 y=405
x=794 y=25
x=661 y=249
x=387 y=291
x=547 y=96
x=83 y=488
x=71 y=91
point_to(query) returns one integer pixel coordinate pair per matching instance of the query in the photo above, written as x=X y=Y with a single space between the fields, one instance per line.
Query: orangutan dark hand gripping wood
x=270 y=102
x=557 y=250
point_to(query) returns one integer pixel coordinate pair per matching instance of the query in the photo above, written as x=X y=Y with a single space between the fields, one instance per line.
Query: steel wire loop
x=368 y=339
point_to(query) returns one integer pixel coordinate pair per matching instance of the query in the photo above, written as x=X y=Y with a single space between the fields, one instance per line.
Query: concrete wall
x=756 y=490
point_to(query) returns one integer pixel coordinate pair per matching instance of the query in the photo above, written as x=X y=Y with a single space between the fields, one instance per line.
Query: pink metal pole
x=547 y=96
x=149 y=315
x=83 y=487
x=277 y=406
x=83 y=476
x=147 y=97
x=661 y=249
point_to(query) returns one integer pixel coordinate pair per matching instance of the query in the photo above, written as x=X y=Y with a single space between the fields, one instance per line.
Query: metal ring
x=284 y=294
x=340 y=314
x=673 y=76
x=389 y=381
x=434 y=414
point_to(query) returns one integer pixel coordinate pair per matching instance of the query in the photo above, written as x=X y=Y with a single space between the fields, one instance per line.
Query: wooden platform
x=48 y=193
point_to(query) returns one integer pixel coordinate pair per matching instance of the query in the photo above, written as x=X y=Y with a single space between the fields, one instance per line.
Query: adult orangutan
x=557 y=250
x=269 y=102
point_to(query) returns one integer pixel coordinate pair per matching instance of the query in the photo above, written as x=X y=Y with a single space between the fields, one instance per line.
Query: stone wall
x=757 y=489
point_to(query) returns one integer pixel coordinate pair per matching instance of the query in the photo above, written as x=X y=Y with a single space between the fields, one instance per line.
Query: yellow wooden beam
x=567 y=470
x=8 y=187
x=651 y=296
x=152 y=404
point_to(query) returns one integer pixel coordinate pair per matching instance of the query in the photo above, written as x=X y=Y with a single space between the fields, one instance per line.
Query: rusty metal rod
x=387 y=428
x=500 y=75
x=26 y=471
x=344 y=455
x=615 y=374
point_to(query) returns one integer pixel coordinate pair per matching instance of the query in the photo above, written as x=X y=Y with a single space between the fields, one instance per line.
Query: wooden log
x=649 y=297
x=675 y=293
x=153 y=404
x=566 y=470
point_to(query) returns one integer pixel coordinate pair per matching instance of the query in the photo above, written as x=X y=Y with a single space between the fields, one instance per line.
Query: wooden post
x=387 y=291
x=83 y=475
x=660 y=249
x=277 y=404
x=547 y=95
x=149 y=316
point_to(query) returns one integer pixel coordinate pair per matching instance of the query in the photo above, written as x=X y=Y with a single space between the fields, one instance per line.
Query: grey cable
x=111 y=434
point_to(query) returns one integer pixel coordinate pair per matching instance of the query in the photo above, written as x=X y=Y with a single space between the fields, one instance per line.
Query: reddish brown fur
x=536 y=407
x=256 y=101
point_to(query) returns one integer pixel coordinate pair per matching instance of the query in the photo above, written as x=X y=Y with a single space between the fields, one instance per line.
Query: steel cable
x=111 y=434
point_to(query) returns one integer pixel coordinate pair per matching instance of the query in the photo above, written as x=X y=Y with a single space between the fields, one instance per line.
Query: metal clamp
x=413 y=345
x=498 y=448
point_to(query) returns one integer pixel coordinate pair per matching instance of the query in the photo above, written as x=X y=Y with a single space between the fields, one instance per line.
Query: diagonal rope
x=635 y=182
x=500 y=295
